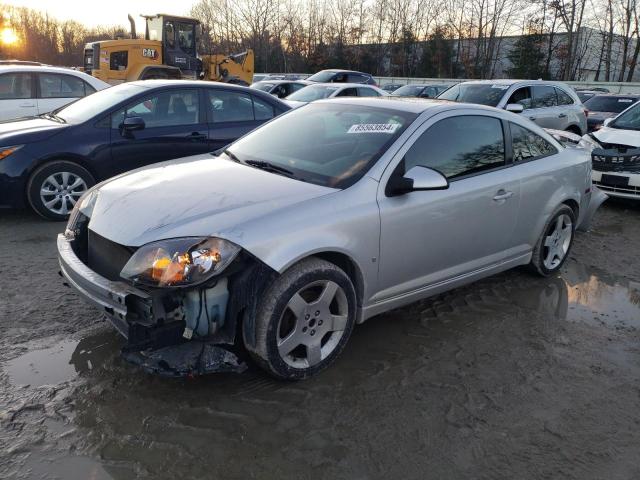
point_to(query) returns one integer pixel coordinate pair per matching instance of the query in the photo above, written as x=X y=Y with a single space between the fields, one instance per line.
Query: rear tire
x=54 y=188
x=304 y=320
x=555 y=242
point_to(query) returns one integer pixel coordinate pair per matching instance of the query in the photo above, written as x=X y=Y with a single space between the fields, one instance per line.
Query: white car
x=30 y=90
x=319 y=91
x=616 y=154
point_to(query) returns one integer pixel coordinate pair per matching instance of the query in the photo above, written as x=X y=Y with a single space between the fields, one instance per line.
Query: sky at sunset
x=106 y=12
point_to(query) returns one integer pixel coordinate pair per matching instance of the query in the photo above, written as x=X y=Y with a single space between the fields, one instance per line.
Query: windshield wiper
x=270 y=167
x=51 y=116
x=221 y=151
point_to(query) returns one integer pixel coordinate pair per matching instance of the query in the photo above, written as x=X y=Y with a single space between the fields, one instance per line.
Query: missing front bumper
x=155 y=341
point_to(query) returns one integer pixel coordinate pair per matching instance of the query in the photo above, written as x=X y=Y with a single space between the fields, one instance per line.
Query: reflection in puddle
x=612 y=301
x=62 y=361
x=582 y=294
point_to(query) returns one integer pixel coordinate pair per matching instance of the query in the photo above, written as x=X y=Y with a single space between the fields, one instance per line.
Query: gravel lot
x=512 y=377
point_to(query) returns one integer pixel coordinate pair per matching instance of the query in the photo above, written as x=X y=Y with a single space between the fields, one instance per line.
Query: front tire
x=304 y=320
x=554 y=245
x=54 y=188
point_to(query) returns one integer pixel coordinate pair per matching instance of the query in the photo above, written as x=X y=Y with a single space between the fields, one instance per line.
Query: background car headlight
x=179 y=262
x=6 y=151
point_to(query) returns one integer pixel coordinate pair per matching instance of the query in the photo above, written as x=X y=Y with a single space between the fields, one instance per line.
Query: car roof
x=615 y=95
x=278 y=82
x=342 y=70
x=38 y=68
x=507 y=81
x=340 y=84
x=408 y=104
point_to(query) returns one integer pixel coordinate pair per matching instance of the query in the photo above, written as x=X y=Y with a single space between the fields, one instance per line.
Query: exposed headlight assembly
x=179 y=262
x=83 y=207
x=588 y=143
x=6 y=151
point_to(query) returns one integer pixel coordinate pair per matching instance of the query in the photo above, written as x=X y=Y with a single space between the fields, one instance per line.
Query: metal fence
x=613 y=87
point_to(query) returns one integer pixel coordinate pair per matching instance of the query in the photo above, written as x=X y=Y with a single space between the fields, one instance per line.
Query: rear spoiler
x=568 y=139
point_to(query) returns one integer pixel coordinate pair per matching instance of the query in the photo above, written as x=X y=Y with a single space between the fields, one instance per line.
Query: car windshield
x=481 y=93
x=629 y=120
x=264 y=86
x=322 y=76
x=409 y=91
x=88 y=107
x=312 y=92
x=604 y=103
x=323 y=143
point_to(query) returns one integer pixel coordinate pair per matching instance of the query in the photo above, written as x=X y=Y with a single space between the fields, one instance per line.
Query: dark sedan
x=421 y=90
x=49 y=161
x=280 y=88
x=606 y=106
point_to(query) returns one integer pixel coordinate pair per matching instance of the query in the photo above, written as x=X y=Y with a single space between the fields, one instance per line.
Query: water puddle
x=583 y=294
x=62 y=361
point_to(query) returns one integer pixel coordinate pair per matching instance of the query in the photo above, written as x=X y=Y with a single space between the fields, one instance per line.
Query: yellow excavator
x=169 y=50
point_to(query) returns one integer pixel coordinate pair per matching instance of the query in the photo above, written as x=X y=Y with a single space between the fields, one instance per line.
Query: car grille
x=627 y=190
x=105 y=257
x=615 y=158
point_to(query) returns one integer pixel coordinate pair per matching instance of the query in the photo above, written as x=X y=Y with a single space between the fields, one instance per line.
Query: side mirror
x=131 y=124
x=607 y=122
x=417 y=178
x=515 y=108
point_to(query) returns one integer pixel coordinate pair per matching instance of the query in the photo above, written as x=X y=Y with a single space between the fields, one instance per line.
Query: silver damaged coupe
x=330 y=214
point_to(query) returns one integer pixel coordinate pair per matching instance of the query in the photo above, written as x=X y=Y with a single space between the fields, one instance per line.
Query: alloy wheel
x=312 y=324
x=557 y=242
x=60 y=192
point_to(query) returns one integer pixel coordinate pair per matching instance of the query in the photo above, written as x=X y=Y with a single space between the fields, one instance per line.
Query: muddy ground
x=514 y=377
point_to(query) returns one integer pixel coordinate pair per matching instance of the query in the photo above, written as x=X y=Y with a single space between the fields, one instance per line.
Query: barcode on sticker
x=374 y=128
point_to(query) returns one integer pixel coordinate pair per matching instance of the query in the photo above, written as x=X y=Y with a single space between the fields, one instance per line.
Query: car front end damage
x=171 y=329
x=616 y=165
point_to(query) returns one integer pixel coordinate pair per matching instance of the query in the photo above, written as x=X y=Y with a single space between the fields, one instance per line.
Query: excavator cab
x=179 y=37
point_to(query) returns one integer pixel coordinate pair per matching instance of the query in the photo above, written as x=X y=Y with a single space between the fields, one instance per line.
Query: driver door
x=429 y=237
x=175 y=127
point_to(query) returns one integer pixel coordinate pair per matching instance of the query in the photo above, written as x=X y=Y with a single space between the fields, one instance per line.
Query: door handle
x=562 y=115
x=502 y=195
x=197 y=136
x=532 y=118
x=26 y=105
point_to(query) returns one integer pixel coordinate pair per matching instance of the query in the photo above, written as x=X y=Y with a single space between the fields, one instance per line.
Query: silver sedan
x=317 y=221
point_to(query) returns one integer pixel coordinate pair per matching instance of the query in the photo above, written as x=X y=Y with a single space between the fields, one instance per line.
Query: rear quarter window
x=528 y=145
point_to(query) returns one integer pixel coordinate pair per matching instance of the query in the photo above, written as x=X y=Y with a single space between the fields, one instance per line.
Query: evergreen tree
x=527 y=57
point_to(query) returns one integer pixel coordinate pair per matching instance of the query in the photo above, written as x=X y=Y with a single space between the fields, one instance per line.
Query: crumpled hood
x=618 y=136
x=32 y=129
x=194 y=196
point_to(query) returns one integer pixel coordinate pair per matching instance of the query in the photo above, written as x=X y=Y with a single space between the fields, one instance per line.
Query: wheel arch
x=573 y=205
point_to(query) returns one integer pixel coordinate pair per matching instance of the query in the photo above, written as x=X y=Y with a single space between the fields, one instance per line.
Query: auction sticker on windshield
x=374 y=128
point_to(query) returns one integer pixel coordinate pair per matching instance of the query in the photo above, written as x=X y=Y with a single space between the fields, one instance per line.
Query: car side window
x=356 y=78
x=262 y=110
x=88 y=89
x=528 y=145
x=295 y=87
x=15 y=86
x=459 y=146
x=54 y=85
x=227 y=106
x=367 y=92
x=348 y=92
x=544 y=96
x=164 y=109
x=563 y=97
x=521 y=96
x=339 y=77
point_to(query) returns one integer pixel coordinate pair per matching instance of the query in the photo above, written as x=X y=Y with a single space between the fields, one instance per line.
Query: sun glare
x=8 y=36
